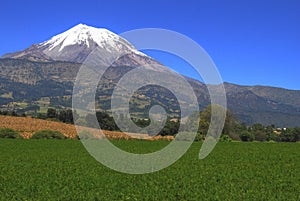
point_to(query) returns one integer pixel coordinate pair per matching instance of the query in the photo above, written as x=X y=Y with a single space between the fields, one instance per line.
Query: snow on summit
x=83 y=34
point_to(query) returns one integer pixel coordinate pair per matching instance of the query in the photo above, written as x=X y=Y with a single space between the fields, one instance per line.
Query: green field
x=63 y=170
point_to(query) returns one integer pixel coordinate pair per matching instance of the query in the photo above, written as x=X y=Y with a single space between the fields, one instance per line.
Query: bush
x=225 y=138
x=8 y=133
x=199 y=137
x=48 y=134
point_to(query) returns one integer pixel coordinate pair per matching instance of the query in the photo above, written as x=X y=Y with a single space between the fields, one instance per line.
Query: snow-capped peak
x=82 y=34
x=75 y=44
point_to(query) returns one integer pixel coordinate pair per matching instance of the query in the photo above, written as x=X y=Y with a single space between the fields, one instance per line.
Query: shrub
x=48 y=134
x=225 y=138
x=199 y=137
x=8 y=133
x=85 y=135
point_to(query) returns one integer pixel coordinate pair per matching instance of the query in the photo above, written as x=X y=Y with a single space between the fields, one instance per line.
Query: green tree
x=259 y=132
x=170 y=128
x=260 y=135
x=246 y=136
x=51 y=113
x=206 y=115
x=270 y=132
x=66 y=116
x=289 y=135
x=205 y=119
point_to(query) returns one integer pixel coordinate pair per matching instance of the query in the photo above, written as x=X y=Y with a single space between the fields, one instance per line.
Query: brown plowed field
x=27 y=126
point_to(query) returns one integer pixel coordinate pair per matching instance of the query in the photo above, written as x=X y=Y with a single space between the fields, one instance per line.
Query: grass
x=22 y=104
x=7 y=95
x=63 y=170
x=44 y=104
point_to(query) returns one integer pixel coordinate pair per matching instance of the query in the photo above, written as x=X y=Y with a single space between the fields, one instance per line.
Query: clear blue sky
x=253 y=42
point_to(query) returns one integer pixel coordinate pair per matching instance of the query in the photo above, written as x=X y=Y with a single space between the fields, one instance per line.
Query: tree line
x=233 y=129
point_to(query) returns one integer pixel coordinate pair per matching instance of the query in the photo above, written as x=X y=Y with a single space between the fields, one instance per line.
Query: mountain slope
x=30 y=80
